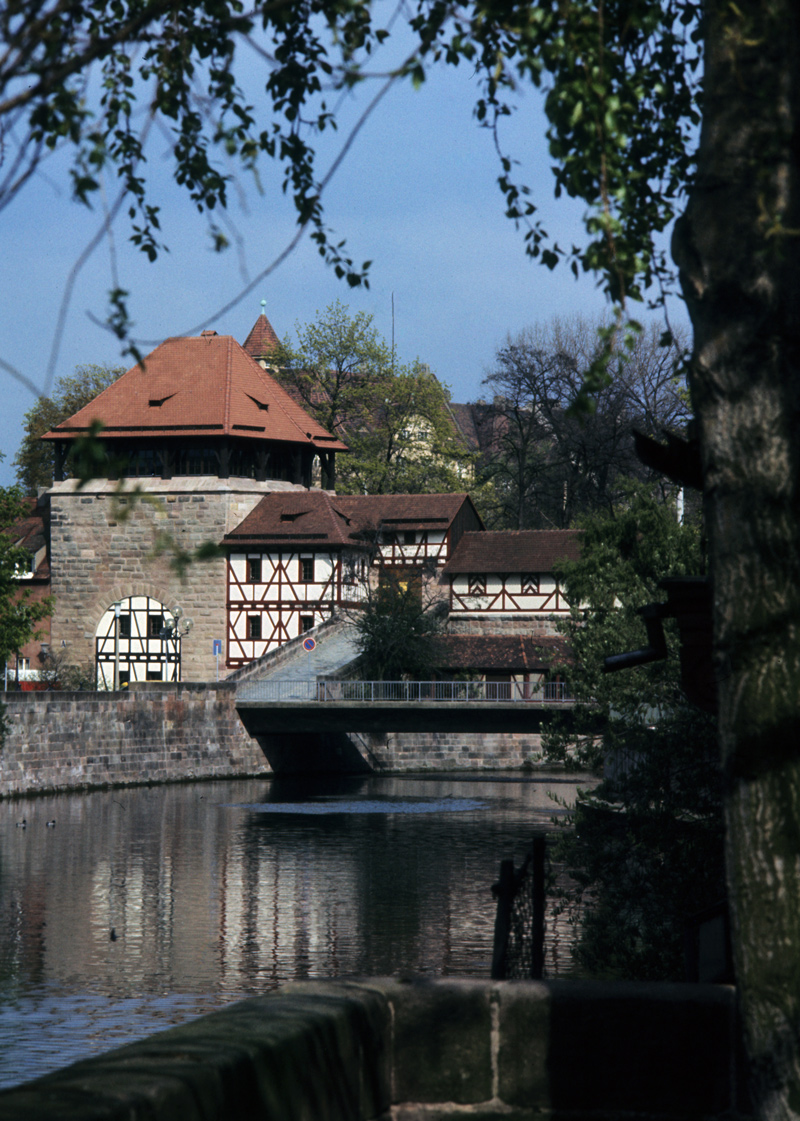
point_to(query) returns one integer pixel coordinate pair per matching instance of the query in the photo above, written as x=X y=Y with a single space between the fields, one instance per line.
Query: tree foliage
x=19 y=613
x=394 y=418
x=548 y=463
x=35 y=459
x=647 y=845
x=396 y=629
x=620 y=86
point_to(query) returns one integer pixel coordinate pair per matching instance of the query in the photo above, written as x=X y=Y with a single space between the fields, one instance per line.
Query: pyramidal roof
x=203 y=386
x=262 y=339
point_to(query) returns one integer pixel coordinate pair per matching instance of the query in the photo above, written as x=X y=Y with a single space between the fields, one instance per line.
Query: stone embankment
x=165 y=733
x=161 y=733
x=387 y=1050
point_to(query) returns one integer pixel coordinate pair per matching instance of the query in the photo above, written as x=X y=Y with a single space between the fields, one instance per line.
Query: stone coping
x=393 y=1050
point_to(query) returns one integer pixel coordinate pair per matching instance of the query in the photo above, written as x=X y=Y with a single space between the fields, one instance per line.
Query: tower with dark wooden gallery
x=200 y=432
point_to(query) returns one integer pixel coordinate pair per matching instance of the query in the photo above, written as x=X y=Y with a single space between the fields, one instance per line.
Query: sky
x=416 y=194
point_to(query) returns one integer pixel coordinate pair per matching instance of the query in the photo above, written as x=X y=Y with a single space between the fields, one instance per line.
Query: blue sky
x=416 y=194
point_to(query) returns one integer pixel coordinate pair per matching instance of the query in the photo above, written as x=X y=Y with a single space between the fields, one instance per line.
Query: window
x=409 y=537
x=306 y=623
x=307 y=570
x=155 y=625
x=254 y=626
x=530 y=584
x=124 y=626
x=254 y=570
x=477 y=584
x=153 y=675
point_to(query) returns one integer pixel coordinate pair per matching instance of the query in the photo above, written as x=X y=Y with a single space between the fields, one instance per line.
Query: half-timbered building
x=296 y=559
x=510 y=573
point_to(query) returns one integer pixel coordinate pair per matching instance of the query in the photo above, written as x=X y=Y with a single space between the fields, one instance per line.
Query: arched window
x=138 y=643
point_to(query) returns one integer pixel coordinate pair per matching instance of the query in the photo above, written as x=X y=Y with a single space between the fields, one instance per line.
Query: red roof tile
x=406 y=511
x=343 y=519
x=299 y=518
x=198 y=386
x=523 y=550
x=516 y=654
x=262 y=339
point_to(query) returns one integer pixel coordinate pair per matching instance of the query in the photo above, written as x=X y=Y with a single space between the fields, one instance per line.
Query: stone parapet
x=388 y=1050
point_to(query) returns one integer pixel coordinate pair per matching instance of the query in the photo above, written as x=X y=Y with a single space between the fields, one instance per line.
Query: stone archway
x=139 y=644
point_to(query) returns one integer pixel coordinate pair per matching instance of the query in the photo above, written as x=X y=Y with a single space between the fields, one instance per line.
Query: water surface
x=141 y=908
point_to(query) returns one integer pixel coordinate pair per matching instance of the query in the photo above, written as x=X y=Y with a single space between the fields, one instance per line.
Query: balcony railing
x=368 y=692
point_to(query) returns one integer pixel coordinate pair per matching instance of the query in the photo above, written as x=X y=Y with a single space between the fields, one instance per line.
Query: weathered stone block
x=442 y=1042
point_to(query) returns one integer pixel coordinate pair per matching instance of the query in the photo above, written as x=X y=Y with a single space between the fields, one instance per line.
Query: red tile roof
x=404 y=511
x=523 y=550
x=206 y=386
x=262 y=339
x=298 y=518
x=486 y=653
x=344 y=519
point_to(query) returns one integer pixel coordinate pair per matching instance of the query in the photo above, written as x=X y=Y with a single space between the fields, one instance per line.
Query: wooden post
x=504 y=891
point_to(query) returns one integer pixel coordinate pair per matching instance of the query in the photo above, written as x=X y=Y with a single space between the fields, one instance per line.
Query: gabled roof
x=204 y=386
x=296 y=518
x=404 y=511
x=522 y=550
x=516 y=654
x=262 y=339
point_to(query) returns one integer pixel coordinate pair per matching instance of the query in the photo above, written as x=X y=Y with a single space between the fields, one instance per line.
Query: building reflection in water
x=216 y=891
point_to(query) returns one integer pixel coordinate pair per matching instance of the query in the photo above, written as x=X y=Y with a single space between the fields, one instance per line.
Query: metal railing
x=409 y=691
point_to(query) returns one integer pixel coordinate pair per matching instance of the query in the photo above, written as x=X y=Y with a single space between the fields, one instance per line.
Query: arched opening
x=137 y=639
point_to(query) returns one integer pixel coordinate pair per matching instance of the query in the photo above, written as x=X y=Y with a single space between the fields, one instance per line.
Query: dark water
x=224 y=890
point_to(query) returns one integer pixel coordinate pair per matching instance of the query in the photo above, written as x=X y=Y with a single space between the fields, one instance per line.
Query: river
x=143 y=907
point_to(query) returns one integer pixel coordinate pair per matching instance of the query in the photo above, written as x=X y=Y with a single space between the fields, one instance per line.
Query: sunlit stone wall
x=62 y=741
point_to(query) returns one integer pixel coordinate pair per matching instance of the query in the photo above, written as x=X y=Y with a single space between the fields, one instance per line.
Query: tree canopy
x=19 y=613
x=394 y=418
x=547 y=465
x=619 y=131
x=36 y=459
x=647 y=846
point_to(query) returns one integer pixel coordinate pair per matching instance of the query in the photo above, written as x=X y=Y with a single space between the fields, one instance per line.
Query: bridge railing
x=411 y=691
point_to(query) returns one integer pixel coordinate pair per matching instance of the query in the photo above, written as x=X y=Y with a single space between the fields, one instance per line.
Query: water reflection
x=216 y=891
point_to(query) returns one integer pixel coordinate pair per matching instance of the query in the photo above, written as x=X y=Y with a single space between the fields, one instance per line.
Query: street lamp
x=173 y=631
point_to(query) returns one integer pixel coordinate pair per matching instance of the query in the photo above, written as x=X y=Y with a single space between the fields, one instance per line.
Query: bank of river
x=141 y=907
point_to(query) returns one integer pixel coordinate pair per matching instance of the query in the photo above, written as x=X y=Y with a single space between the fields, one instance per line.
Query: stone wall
x=449 y=751
x=534 y=626
x=107 y=546
x=64 y=741
x=162 y=733
x=383 y=1050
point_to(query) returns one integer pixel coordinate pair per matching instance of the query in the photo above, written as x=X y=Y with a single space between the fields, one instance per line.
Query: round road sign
x=309 y=644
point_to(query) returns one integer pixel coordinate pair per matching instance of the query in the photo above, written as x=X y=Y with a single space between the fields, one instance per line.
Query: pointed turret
x=262 y=339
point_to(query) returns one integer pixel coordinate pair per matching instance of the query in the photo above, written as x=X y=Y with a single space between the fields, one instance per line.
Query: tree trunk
x=738 y=249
